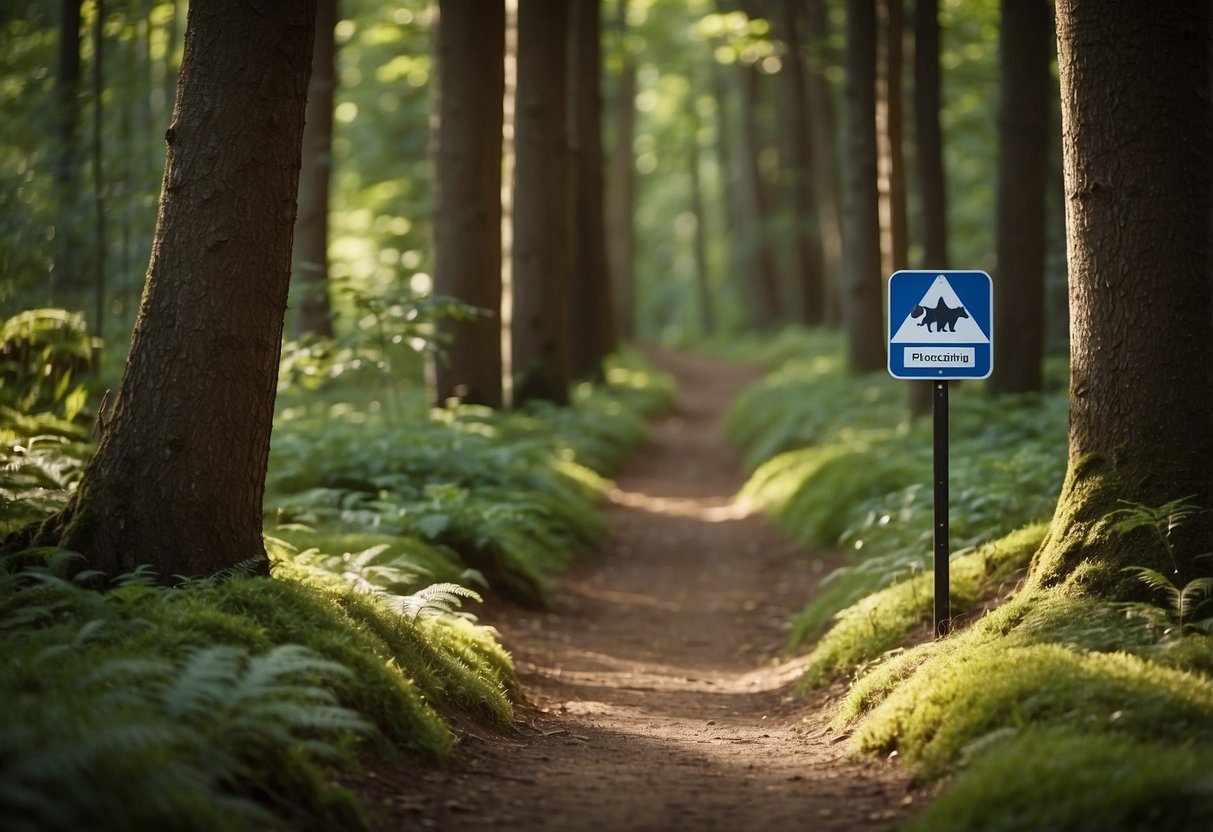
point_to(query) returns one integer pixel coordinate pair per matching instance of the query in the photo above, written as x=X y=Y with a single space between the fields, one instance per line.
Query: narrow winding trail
x=660 y=698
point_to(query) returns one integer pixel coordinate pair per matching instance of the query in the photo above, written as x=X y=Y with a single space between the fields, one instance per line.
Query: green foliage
x=220 y=704
x=42 y=351
x=1182 y=603
x=1060 y=778
x=883 y=621
x=836 y=465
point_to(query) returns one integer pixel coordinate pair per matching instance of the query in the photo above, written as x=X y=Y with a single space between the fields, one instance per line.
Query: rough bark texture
x=178 y=478
x=929 y=152
x=803 y=244
x=1137 y=132
x=621 y=188
x=542 y=205
x=310 y=268
x=469 y=89
x=1023 y=164
x=593 y=316
x=862 y=289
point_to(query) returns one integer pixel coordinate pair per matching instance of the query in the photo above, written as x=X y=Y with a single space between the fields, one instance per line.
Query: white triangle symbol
x=941 y=319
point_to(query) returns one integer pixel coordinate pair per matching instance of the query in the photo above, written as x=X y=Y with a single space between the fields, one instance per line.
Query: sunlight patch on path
x=695 y=509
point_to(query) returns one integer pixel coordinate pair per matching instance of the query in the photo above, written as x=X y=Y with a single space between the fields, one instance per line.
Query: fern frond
x=433 y=601
x=1158 y=582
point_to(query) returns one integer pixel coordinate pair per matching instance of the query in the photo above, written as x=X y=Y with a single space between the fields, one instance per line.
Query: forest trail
x=660 y=697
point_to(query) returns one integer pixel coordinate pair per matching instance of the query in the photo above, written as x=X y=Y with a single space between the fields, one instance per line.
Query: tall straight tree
x=929 y=153
x=310 y=269
x=592 y=316
x=862 y=300
x=1023 y=166
x=468 y=93
x=621 y=184
x=895 y=243
x=65 y=273
x=823 y=122
x=803 y=245
x=179 y=475
x=1137 y=126
x=542 y=205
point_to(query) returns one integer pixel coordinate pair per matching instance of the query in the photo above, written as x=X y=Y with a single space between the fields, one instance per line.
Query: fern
x=434 y=601
x=1182 y=603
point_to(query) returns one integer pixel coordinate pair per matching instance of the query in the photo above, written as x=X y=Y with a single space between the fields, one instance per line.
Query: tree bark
x=823 y=123
x=179 y=475
x=621 y=188
x=755 y=211
x=862 y=289
x=1023 y=164
x=542 y=205
x=310 y=254
x=1137 y=130
x=796 y=167
x=931 y=183
x=592 y=312
x=895 y=242
x=469 y=90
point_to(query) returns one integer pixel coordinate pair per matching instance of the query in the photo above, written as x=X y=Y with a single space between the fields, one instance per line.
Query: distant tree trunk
x=65 y=271
x=931 y=182
x=1140 y=217
x=1023 y=165
x=593 y=316
x=755 y=212
x=703 y=283
x=863 y=290
x=823 y=123
x=542 y=205
x=310 y=257
x=621 y=190
x=469 y=89
x=727 y=163
x=179 y=475
x=895 y=241
x=796 y=167
x=99 y=240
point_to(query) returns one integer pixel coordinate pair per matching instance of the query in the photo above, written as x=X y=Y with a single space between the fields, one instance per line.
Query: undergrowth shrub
x=837 y=464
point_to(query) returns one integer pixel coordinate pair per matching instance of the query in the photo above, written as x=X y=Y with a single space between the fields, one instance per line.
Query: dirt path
x=661 y=698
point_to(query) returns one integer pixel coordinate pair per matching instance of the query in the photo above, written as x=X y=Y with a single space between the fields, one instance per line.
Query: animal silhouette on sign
x=943 y=317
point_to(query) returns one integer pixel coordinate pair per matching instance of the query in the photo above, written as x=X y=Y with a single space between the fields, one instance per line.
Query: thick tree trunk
x=862 y=284
x=1137 y=132
x=621 y=188
x=542 y=205
x=179 y=475
x=895 y=243
x=796 y=167
x=1023 y=165
x=824 y=126
x=469 y=90
x=593 y=316
x=310 y=284
x=931 y=182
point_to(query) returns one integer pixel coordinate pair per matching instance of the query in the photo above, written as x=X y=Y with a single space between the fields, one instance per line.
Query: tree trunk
x=931 y=182
x=703 y=283
x=796 y=167
x=824 y=126
x=592 y=317
x=469 y=89
x=755 y=213
x=1137 y=132
x=179 y=475
x=542 y=205
x=863 y=290
x=727 y=162
x=65 y=272
x=895 y=242
x=311 y=250
x=1023 y=164
x=621 y=190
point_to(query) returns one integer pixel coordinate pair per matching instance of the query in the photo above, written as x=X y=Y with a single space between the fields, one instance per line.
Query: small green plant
x=1183 y=604
x=1161 y=520
x=434 y=601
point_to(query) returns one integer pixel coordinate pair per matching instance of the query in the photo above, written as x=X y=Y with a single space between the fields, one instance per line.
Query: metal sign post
x=941 y=328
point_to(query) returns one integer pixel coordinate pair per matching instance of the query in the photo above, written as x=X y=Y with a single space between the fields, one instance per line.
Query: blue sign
x=941 y=325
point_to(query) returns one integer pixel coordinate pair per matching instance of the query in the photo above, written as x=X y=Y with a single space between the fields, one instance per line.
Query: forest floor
x=659 y=695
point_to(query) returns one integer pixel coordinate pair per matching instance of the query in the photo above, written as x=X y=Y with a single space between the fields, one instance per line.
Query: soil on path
x=659 y=694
